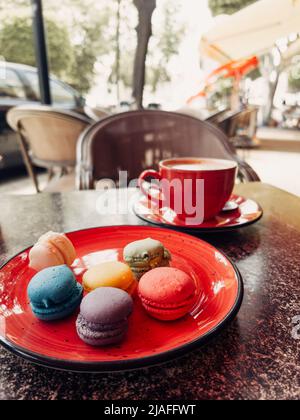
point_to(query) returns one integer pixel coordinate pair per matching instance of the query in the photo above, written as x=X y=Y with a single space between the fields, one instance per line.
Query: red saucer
x=56 y=345
x=248 y=212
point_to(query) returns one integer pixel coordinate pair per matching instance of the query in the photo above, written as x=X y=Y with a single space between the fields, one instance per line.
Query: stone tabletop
x=256 y=357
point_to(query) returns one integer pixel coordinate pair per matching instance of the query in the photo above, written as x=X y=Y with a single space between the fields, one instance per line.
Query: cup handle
x=146 y=187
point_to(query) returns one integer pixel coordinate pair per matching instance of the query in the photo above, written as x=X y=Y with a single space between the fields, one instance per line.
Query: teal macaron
x=54 y=293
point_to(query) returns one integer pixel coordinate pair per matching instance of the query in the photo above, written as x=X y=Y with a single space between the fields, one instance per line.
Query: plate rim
x=128 y=364
x=198 y=229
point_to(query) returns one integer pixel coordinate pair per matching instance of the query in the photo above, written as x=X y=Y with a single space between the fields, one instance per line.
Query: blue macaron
x=54 y=293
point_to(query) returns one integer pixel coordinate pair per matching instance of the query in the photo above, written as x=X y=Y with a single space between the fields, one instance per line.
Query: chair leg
x=50 y=174
x=28 y=163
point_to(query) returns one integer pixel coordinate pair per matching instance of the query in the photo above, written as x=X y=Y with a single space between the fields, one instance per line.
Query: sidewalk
x=281 y=169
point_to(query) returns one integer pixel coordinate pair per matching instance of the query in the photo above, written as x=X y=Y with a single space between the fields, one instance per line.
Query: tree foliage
x=294 y=78
x=16 y=44
x=90 y=30
x=164 y=46
x=75 y=38
x=228 y=7
x=86 y=23
x=81 y=38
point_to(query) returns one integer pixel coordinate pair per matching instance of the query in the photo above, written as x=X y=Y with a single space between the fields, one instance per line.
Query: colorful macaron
x=110 y=274
x=54 y=293
x=52 y=249
x=167 y=293
x=145 y=255
x=103 y=318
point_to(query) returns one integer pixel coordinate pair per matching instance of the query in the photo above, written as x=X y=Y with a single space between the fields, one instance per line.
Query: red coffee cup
x=196 y=189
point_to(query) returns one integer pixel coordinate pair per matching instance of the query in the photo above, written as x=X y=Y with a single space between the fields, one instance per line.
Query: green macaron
x=145 y=255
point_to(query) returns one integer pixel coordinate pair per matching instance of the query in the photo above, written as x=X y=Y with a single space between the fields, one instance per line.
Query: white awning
x=251 y=31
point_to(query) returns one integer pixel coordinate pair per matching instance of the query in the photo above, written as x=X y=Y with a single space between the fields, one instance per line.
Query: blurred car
x=19 y=85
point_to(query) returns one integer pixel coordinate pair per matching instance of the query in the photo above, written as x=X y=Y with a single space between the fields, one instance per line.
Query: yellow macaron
x=110 y=274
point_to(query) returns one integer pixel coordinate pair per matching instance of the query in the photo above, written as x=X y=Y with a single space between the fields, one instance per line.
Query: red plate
x=56 y=345
x=248 y=212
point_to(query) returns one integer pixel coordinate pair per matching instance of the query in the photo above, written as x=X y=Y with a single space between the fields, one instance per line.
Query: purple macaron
x=103 y=318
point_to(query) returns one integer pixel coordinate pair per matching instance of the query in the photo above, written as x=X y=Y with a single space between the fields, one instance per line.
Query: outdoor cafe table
x=257 y=356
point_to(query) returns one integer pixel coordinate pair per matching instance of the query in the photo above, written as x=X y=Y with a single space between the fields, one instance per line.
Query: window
x=11 y=86
x=61 y=95
x=33 y=80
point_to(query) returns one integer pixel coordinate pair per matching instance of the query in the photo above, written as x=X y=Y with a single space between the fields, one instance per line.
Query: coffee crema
x=201 y=165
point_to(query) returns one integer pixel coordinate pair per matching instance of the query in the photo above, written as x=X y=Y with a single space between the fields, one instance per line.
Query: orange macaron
x=110 y=274
x=167 y=293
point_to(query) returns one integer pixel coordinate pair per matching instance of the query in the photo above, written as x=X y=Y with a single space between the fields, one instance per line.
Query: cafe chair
x=48 y=139
x=216 y=116
x=243 y=128
x=138 y=140
x=204 y=115
x=239 y=126
x=193 y=112
x=96 y=113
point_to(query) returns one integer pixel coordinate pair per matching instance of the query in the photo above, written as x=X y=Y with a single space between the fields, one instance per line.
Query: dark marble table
x=256 y=357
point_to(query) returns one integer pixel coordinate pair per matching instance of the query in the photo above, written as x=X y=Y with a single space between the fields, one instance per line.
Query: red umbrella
x=235 y=69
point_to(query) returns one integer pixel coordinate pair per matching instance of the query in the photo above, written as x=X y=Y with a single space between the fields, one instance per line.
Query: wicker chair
x=48 y=139
x=96 y=114
x=137 y=140
x=240 y=126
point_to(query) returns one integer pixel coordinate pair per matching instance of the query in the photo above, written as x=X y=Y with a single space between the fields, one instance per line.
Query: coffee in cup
x=196 y=189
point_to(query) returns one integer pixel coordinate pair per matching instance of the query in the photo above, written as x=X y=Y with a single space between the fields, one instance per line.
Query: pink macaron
x=167 y=293
x=52 y=249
